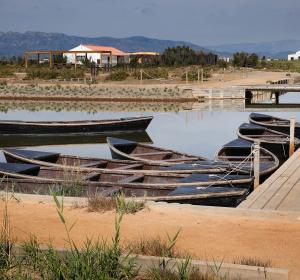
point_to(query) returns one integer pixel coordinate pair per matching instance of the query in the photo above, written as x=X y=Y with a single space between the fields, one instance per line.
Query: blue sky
x=204 y=22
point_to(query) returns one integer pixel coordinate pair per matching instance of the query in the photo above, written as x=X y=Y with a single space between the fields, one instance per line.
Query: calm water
x=198 y=132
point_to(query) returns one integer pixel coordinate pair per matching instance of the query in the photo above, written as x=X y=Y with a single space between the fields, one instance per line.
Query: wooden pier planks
x=279 y=192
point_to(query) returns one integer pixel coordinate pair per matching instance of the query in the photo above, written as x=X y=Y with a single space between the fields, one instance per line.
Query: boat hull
x=49 y=128
x=217 y=196
x=278 y=124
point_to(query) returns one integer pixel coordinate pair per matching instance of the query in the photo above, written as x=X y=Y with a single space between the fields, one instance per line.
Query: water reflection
x=265 y=100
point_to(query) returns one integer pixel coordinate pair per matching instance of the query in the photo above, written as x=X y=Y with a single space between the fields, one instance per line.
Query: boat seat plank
x=91 y=176
x=182 y=159
x=130 y=179
x=266 y=135
x=129 y=166
x=93 y=164
x=152 y=154
x=241 y=157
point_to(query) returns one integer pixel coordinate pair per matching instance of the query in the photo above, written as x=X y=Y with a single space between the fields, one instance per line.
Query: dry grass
x=157 y=273
x=99 y=203
x=253 y=262
x=123 y=205
x=156 y=246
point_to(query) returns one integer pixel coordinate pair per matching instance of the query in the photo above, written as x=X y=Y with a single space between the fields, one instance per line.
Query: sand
x=206 y=233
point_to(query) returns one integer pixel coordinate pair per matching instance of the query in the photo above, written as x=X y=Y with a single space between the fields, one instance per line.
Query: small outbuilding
x=294 y=56
x=101 y=56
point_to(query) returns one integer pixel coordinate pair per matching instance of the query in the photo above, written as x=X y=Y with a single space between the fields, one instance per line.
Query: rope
x=236 y=168
x=159 y=79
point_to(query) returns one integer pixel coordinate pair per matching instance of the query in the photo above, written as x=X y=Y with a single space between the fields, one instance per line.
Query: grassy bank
x=93 y=92
x=100 y=259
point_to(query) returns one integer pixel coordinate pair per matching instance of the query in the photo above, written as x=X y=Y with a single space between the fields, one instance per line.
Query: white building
x=294 y=56
x=100 y=57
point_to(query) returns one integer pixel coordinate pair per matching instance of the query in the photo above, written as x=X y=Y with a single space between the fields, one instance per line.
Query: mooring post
x=292 y=136
x=141 y=76
x=256 y=148
x=186 y=77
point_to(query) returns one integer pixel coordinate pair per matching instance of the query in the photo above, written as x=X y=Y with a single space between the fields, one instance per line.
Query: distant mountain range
x=274 y=49
x=15 y=43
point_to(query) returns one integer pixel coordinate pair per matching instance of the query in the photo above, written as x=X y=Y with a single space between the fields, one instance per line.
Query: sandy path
x=206 y=235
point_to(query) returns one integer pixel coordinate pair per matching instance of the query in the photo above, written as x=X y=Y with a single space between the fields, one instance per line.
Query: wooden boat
x=74 y=127
x=225 y=196
x=274 y=141
x=112 y=177
x=62 y=139
x=238 y=154
x=125 y=149
x=99 y=164
x=206 y=189
x=275 y=123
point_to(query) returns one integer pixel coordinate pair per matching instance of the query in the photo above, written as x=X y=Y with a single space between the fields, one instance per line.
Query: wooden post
x=26 y=61
x=141 y=75
x=292 y=136
x=202 y=75
x=75 y=60
x=256 y=148
x=110 y=59
x=51 y=59
x=198 y=76
x=186 y=77
x=100 y=60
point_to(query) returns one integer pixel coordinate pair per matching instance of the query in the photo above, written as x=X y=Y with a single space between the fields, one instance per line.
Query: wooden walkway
x=281 y=191
x=274 y=87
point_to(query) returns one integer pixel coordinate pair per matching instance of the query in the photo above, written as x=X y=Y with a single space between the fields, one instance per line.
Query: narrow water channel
x=200 y=131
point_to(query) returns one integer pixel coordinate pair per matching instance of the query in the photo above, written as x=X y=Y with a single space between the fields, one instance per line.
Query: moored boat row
x=151 y=173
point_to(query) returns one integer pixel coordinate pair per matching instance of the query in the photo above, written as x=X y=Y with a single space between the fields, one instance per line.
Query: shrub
x=50 y=74
x=3 y=84
x=119 y=75
x=152 y=73
x=193 y=75
x=5 y=72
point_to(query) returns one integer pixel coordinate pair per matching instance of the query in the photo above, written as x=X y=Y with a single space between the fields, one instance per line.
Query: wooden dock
x=274 y=87
x=281 y=191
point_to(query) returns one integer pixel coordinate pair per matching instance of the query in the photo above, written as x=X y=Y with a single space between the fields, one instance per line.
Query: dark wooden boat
x=124 y=149
x=205 y=189
x=99 y=164
x=238 y=154
x=225 y=196
x=275 y=123
x=74 y=127
x=274 y=141
x=62 y=139
x=113 y=178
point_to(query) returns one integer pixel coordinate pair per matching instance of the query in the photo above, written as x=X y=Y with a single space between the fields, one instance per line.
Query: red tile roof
x=115 y=52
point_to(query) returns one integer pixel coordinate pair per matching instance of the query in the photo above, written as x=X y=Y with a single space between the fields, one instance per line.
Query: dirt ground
x=206 y=233
x=218 y=80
